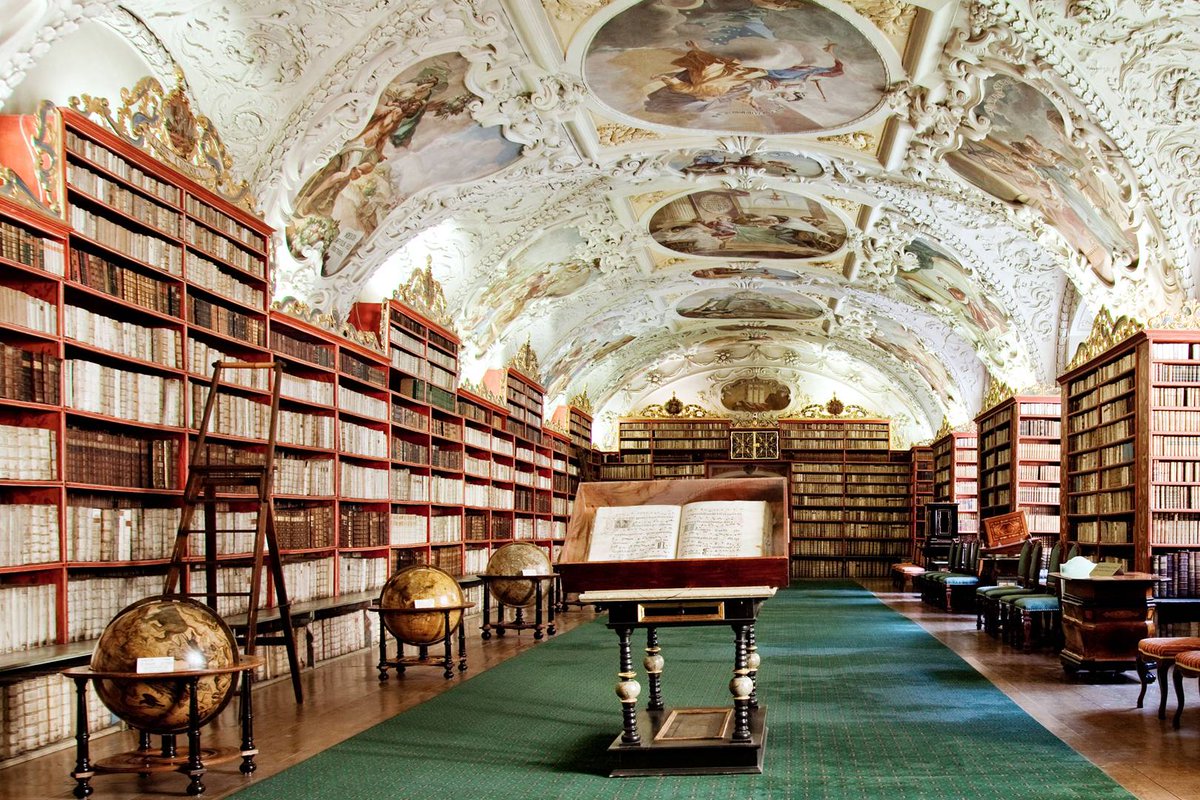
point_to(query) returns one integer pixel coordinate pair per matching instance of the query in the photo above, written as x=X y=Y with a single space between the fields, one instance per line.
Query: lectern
x=715 y=583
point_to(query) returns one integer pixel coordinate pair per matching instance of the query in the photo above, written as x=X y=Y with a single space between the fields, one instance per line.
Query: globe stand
x=145 y=760
x=422 y=659
x=544 y=603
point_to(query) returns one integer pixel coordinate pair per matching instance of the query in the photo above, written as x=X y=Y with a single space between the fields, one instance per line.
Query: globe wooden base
x=452 y=625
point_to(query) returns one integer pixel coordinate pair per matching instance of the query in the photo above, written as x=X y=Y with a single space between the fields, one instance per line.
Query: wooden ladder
x=210 y=484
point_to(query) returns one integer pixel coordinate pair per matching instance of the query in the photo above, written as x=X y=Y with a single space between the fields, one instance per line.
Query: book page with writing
x=634 y=533
x=723 y=529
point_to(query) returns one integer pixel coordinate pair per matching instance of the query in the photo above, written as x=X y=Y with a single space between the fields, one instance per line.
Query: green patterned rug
x=863 y=704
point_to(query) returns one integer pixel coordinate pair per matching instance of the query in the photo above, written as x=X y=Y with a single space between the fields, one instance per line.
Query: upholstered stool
x=1160 y=652
x=1187 y=665
x=903 y=575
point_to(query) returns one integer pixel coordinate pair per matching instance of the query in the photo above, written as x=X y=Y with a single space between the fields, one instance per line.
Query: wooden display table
x=544 y=603
x=422 y=659
x=145 y=759
x=1103 y=620
x=686 y=741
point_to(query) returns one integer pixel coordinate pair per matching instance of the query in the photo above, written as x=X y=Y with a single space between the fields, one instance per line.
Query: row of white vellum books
x=92 y=602
x=28 y=617
x=39 y=711
x=336 y=636
x=31 y=534
x=120 y=534
x=29 y=454
x=308 y=580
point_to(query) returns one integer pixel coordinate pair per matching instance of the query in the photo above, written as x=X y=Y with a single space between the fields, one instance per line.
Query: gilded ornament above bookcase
x=944 y=430
x=423 y=294
x=834 y=408
x=306 y=313
x=162 y=123
x=1185 y=318
x=997 y=392
x=676 y=409
x=582 y=402
x=526 y=362
x=477 y=388
x=1106 y=334
x=45 y=144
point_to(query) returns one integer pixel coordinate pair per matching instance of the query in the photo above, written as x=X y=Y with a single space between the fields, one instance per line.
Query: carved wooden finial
x=424 y=295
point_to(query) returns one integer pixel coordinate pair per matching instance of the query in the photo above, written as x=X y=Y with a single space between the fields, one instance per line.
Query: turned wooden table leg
x=552 y=605
x=487 y=612
x=168 y=746
x=654 y=667
x=447 y=648
x=741 y=686
x=537 y=610
x=195 y=766
x=462 y=644
x=383 y=666
x=83 y=772
x=628 y=689
x=249 y=751
x=753 y=662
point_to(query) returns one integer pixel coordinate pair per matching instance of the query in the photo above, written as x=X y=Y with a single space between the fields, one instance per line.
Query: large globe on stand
x=518 y=558
x=421 y=586
x=193 y=635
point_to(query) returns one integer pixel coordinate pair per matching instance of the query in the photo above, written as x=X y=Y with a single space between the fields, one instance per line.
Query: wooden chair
x=1035 y=612
x=926 y=583
x=1187 y=665
x=1027 y=583
x=982 y=592
x=940 y=587
x=1157 y=654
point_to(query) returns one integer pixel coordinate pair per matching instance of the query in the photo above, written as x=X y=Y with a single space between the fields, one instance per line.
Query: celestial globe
x=180 y=628
x=518 y=558
x=420 y=586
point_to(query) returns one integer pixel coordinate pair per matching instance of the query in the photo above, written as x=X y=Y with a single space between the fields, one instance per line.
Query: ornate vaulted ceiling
x=753 y=204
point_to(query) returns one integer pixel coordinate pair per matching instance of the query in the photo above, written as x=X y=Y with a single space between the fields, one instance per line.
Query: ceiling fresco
x=754 y=204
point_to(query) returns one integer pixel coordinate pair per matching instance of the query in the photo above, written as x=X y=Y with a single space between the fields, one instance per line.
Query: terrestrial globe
x=518 y=558
x=420 y=586
x=193 y=635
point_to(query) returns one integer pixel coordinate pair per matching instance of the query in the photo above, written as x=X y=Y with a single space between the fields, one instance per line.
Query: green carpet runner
x=863 y=704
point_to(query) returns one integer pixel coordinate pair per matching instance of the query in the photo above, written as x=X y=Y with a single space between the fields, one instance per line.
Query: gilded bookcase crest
x=677 y=409
x=834 y=409
x=162 y=123
x=997 y=392
x=306 y=313
x=582 y=402
x=526 y=363
x=1107 y=332
x=424 y=295
x=41 y=188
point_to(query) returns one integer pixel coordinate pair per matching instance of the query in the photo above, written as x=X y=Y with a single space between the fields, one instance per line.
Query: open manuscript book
x=705 y=529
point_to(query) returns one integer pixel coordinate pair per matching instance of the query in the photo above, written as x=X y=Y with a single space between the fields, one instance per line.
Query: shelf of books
x=657 y=449
x=1132 y=455
x=1019 y=462
x=851 y=497
x=922 y=493
x=956 y=477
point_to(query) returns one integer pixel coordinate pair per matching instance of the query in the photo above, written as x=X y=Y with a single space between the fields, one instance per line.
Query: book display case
x=1019 y=463
x=1131 y=419
x=956 y=478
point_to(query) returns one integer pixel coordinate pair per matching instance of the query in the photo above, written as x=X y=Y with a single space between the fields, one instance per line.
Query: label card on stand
x=156 y=664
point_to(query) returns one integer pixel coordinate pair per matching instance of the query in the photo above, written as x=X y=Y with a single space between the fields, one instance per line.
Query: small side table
x=422 y=659
x=544 y=603
x=146 y=759
x=1103 y=620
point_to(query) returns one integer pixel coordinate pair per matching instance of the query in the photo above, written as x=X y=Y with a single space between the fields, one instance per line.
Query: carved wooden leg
x=487 y=611
x=740 y=687
x=551 y=606
x=1178 y=699
x=1027 y=630
x=537 y=610
x=462 y=644
x=654 y=667
x=518 y=620
x=500 y=627
x=447 y=648
x=1164 y=666
x=195 y=767
x=168 y=746
x=144 y=745
x=753 y=662
x=978 y=613
x=382 y=667
x=83 y=762
x=249 y=751
x=628 y=689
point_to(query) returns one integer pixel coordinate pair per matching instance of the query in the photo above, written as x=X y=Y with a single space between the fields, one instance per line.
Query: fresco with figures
x=908 y=351
x=755 y=395
x=762 y=273
x=1027 y=157
x=739 y=223
x=746 y=66
x=774 y=164
x=937 y=279
x=748 y=304
x=420 y=134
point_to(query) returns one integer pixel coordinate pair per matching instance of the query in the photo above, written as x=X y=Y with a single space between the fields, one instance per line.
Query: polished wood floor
x=1099 y=720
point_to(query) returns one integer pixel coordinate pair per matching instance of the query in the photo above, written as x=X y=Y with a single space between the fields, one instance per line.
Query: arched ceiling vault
x=897 y=201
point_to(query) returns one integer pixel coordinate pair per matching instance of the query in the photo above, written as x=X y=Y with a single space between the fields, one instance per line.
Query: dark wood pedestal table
x=544 y=602
x=422 y=658
x=686 y=741
x=1103 y=620
x=146 y=759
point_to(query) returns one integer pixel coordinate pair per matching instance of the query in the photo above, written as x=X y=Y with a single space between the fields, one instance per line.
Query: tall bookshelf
x=956 y=477
x=1019 y=462
x=921 y=458
x=1132 y=423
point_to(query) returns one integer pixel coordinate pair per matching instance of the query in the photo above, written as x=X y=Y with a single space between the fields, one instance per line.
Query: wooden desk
x=145 y=759
x=1103 y=620
x=686 y=741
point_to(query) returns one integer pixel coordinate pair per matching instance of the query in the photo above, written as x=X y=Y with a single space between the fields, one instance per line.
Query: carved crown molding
x=423 y=294
x=997 y=392
x=677 y=409
x=581 y=401
x=1107 y=332
x=833 y=408
x=525 y=361
x=45 y=144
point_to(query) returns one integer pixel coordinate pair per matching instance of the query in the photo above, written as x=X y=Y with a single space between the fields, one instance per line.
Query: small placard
x=1106 y=569
x=531 y=571
x=423 y=602
x=156 y=664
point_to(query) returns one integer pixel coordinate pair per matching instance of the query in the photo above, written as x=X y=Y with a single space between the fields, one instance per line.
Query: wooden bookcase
x=1131 y=420
x=1019 y=463
x=956 y=477
x=922 y=493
